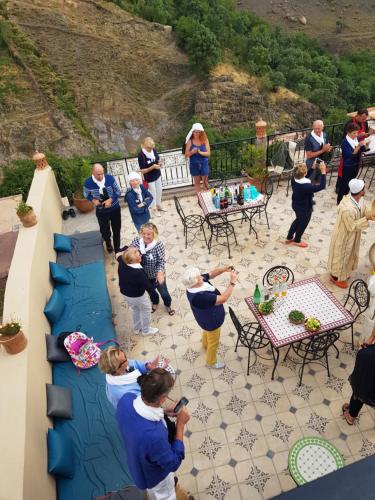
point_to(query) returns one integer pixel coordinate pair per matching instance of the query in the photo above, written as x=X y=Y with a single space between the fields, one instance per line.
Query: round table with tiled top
x=311 y=458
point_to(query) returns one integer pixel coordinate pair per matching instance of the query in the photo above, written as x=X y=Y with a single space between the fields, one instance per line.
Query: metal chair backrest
x=240 y=331
x=216 y=220
x=315 y=347
x=279 y=271
x=215 y=179
x=267 y=189
x=358 y=298
x=179 y=209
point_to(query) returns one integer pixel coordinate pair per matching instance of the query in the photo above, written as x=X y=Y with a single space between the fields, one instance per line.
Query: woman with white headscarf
x=138 y=199
x=197 y=149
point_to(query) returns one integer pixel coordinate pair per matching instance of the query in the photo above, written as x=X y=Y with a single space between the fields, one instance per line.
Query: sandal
x=171 y=311
x=153 y=308
x=345 y=412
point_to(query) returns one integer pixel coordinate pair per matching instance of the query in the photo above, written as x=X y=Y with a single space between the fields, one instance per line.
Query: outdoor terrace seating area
x=243 y=426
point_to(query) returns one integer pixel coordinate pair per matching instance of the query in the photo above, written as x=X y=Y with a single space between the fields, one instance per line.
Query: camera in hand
x=104 y=195
x=183 y=402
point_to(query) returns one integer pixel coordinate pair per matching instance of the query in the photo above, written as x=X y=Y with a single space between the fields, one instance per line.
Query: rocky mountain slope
x=340 y=25
x=87 y=76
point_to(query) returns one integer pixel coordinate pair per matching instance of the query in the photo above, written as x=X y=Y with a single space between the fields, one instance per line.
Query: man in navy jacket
x=103 y=192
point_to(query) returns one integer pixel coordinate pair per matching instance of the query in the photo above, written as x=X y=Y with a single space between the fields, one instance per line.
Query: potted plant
x=12 y=337
x=26 y=214
x=254 y=164
x=77 y=176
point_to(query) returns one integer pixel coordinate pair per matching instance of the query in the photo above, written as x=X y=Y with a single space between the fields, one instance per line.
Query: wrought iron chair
x=282 y=162
x=220 y=228
x=250 y=335
x=279 y=271
x=267 y=189
x=192 y=222
x=356 y=303
x=314 y=350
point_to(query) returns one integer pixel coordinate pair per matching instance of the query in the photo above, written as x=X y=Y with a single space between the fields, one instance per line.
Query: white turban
x=134 y=176
x=196 y=126
x=356 y=186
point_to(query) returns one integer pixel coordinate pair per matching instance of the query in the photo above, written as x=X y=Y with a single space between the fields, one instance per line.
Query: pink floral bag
x=82 y=349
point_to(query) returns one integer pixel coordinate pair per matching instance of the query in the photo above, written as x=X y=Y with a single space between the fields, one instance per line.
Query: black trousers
x=355 y=406
x=342 y=185
x=108 y=220
x=299 y=225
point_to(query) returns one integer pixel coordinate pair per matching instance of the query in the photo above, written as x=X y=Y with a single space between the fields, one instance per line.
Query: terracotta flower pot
x=82 y=205
x=29 y=219
x=257 y=182
x=13 y=344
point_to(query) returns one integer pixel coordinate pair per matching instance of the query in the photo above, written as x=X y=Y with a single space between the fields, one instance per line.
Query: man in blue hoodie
x=151 y=458
x=103 y=192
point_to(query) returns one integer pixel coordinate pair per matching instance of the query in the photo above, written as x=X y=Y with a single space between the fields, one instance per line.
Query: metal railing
x=225 y=159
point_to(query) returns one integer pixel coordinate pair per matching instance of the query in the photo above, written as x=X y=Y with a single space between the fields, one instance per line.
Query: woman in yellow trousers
x=206 y=302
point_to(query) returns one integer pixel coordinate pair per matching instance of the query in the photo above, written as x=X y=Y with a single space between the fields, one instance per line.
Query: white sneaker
x=217 y=366
x=137 y=332
x=161 y=209
x=150 y=331
x=157 y=213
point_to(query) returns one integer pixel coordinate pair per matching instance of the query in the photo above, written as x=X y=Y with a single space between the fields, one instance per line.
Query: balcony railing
x=225 y=160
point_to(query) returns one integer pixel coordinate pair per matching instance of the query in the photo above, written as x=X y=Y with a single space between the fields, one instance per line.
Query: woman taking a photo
x=302 y=202
x=149 y=163
x=153 y=261
x=197 y=149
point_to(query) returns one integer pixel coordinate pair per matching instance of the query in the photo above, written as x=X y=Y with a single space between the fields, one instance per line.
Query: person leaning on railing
x=302 y=202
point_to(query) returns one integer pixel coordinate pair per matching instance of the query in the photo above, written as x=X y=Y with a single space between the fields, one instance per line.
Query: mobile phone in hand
x=183 y=402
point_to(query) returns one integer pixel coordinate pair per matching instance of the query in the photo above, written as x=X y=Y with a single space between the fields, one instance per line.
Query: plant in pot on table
x=26 y=214
x=254 y=164
x=12 y=337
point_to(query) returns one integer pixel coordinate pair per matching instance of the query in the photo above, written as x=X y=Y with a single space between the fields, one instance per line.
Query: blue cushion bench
x=99 y=454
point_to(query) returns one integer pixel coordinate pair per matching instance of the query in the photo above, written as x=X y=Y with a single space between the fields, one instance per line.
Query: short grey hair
x=190 y=276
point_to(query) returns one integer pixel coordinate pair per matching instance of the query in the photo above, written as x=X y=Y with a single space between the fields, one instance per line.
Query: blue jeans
x=163 y=290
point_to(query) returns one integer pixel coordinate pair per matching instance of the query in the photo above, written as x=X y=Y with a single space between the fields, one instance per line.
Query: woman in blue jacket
x=302 y=202
x=138 y=200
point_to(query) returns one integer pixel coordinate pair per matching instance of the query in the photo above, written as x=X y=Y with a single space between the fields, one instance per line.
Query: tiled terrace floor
x=242 y=427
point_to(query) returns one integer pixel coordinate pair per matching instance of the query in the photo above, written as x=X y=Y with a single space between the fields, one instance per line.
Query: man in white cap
x=138 y=199
x=103 y=192
x=352 y=216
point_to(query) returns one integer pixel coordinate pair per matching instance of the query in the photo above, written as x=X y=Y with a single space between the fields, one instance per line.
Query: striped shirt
x=91 y=192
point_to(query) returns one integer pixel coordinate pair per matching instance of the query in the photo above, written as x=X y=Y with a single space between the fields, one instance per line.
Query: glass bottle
x=284 y=286
x=276 y=287
x=256 y=296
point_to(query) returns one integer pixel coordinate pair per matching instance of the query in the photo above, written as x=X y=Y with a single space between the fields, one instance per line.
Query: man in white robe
x=352 y=216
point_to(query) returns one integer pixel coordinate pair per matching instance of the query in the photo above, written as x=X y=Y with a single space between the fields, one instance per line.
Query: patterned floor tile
x=241 y=421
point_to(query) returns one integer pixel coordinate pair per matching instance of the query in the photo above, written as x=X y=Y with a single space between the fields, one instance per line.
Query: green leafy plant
x=296 y=317
x=253 y=161
x=23 y=208
x=312 y=324
x=266 y=307
x=10 y=329
x=76 y=176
